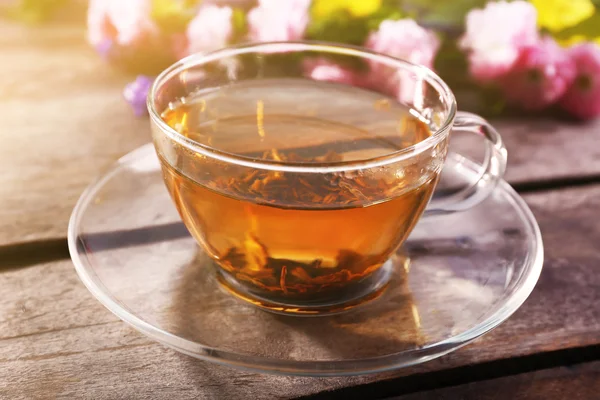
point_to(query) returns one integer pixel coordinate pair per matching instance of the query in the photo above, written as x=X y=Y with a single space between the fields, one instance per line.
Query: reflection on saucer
x=202 y=310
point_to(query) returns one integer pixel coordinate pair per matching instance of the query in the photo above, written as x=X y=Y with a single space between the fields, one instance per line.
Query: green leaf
x=590 y=29
x=36 y=11
x=173 y=16
x=387 y=11
x=441 y=12
x=340 y=26
x=240 y=25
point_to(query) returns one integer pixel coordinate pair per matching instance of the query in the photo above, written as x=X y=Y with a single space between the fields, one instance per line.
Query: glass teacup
x=301 y=180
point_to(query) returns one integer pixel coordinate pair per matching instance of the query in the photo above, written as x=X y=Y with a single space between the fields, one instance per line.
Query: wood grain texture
x=579 y=382
x=64 y=122
x=59 y=342
x=56 y=341
x=543 y=149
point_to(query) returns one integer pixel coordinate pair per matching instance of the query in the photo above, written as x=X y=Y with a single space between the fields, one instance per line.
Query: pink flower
x=583 y=97
x=321 y=69
x=179 y=44
x=278 y=20
x=404 y=39
x=121 y=22
x=540 y=76
x=210 y=30
x=495 y=35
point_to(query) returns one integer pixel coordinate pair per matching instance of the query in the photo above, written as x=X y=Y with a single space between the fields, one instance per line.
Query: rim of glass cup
x=199 y=59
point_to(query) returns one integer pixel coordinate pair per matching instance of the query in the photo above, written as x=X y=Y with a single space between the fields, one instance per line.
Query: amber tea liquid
x=288 y=238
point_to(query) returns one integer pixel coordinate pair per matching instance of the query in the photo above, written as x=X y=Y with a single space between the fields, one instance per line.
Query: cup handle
x=492 y=170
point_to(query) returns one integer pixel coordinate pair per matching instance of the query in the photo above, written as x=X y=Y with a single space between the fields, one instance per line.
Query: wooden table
x=63 y=122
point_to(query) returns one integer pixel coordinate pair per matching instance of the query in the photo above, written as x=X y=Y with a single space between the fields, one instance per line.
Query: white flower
x=210 y=30
x=278 y=20
x=405 y=39
x=495 y=35
x=124 y=22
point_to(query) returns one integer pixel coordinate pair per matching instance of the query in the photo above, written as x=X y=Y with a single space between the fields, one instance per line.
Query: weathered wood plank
x=545 y=149
x=56 y=340
x=129 y=366
x=64 y=122
x=579 y=382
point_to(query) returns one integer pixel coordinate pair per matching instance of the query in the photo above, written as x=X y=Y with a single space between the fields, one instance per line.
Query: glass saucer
x=457 y=277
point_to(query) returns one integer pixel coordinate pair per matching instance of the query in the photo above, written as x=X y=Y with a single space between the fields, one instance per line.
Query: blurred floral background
x=535 y=57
